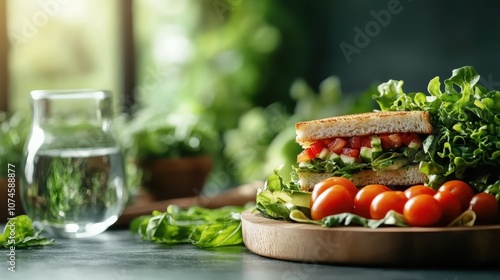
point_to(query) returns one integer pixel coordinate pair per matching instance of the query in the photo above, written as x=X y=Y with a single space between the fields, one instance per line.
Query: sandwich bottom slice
x=404 y=176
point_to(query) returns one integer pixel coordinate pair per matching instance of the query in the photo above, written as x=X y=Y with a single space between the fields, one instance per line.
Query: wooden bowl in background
x=169 y=178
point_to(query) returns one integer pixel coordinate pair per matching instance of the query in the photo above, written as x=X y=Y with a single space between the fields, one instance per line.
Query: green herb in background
x=25 y=234
x=199 y=226
x=13 y=132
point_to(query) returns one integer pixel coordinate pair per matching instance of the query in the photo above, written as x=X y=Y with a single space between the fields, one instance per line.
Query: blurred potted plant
x=13 y=132
x=174 y=151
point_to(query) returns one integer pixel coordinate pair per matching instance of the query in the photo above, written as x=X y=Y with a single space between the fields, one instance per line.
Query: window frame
x=127 y=51
x=4 y=51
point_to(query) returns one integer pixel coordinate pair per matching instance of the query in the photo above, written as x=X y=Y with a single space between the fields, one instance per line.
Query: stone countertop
x=117 y=254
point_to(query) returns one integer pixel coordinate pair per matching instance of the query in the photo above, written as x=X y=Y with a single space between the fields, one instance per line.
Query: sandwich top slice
x=369 y=148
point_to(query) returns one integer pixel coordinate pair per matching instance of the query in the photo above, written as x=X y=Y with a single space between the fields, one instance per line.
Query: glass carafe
x=73 y=181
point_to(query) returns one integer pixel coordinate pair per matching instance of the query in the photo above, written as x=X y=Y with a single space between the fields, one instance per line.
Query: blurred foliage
x=153 y=134
x=220 y=77
x=236 y=75
x=265 y=137
x=13 y=133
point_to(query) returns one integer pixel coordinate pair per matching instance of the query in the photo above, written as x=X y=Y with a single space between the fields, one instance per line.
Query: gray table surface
x=117 y=255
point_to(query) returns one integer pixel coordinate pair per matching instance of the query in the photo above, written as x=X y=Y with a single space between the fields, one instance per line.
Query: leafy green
x=392 y=218
x=151 y=134
x=277 y=199
x=386 y=161
x=466 y=118
x=196 y=225
x=20 y=233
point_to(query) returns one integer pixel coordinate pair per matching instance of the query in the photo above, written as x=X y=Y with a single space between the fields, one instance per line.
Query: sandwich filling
x=344 y=156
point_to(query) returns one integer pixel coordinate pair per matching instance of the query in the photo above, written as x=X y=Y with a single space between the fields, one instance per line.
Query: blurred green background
x=232 y=77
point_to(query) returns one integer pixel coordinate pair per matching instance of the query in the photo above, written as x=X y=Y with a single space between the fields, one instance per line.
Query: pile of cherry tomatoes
x=420 y=205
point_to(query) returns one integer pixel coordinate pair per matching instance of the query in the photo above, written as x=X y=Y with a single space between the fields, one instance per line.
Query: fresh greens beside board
x=199 y=226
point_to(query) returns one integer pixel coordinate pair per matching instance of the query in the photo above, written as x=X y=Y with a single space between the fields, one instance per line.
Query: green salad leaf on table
x=196 y=225
x=20 y=233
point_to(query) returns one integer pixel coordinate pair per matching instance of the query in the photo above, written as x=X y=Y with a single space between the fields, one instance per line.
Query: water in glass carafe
x=73 y=181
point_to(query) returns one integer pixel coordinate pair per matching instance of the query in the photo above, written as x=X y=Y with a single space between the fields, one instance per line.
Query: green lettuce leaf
x=20 y=233
x=199 y=226
x=392 y=218
x=466 y=119
x=277 y=199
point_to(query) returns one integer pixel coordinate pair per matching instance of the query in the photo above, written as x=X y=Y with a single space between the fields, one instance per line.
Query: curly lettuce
x=466 y=118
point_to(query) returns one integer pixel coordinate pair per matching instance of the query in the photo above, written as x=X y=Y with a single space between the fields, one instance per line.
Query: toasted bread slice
x=363 y=124
x=405 y=176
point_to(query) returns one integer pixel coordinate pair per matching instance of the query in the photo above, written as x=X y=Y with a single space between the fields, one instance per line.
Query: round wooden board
x=388 y=246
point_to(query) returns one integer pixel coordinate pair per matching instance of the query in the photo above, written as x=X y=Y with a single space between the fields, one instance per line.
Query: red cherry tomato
x=334 y=200
x=315 y=149
x=366 y=141
x=391 y=141
x=355 y=142
x=410 y=137
x=450 y=206
x=351 y=152
x=386 y=201
x=422 y=210
x=364 y=197
x=419 y=189
x=337 y=145
x=485 y=206
x=461 y=190
x=329 y=182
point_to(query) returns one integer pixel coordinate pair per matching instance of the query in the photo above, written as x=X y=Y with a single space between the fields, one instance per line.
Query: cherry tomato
x=364 y=198
x=350 y=152
x=450 y=206
x=334 y=200
x=391 y=141
x=422 y=210
x=461 y=190
x=485 y=206
x=411 y=137
x=329 y=182
x=315 y=149
x=419 y=189
x=355 y=142
x=366 y=141
x=386 y=201
x=337 y=145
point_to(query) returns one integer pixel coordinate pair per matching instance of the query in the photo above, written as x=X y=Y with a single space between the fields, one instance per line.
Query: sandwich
x=368 y=148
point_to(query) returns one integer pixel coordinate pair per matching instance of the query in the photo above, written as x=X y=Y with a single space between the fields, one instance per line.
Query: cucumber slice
x=324 y=153
x=366 y=154
x=347 y=159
